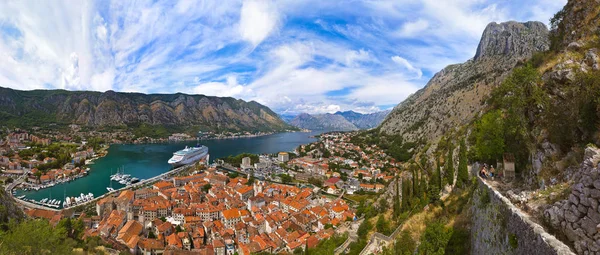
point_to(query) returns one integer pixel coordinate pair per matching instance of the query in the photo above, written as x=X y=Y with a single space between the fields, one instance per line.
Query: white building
x=284 y=157
x=246 y=163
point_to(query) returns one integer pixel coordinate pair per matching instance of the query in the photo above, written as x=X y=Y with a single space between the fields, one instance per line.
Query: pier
x=142 y=183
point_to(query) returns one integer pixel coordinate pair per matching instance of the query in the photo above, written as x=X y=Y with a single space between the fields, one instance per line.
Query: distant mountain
x=101 y=109
x=340 y=121
x=364 y=121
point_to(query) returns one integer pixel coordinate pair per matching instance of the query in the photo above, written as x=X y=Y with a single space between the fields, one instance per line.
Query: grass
x=360 y=198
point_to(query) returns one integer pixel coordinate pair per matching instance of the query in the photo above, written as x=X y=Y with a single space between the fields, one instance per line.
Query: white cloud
x=411 y=29
x=310 y=55
x=404 y=63
x=229 y=88
x=258 y=18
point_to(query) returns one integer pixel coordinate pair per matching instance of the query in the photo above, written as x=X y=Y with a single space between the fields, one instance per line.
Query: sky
x=294 y=56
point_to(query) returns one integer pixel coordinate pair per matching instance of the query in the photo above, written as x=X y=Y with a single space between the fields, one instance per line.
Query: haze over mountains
x=339 y=121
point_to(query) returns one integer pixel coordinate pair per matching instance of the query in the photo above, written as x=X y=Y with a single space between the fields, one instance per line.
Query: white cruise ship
x=188 y=155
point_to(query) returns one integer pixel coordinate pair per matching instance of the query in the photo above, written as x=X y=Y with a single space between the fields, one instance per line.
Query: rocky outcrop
x=498 y=227
x=579 y=20
x=578 y=216
x=8 y=208
x=113 y=109
x=456 y=94
x=512 y=39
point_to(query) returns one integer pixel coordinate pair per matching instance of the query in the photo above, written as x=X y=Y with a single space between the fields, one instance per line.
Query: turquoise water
x=148 y=160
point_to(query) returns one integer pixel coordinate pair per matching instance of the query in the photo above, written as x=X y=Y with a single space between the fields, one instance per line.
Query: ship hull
x=188 y=160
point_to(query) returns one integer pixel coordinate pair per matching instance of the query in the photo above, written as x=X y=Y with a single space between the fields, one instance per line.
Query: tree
x=383 y=205
x=438 y=176
x=206 y=187
x=434 y=239
x=397 y=199
x=250 y=180
x=405 y=245
x=463 y=171
x=489 y=137
x=382 y=224
x=405 y=196
x=285 y=178
x=449 y=166
x=35 y=237
x=363 y=229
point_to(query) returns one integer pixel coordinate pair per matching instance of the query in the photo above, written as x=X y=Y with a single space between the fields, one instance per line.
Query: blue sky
x=294 y=56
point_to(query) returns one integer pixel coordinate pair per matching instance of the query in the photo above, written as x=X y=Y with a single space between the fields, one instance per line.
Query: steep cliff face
x=113 y=108
x=8 y=208
x=456 y=94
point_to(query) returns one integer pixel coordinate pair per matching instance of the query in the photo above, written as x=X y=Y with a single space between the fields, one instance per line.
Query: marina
x=146 y=161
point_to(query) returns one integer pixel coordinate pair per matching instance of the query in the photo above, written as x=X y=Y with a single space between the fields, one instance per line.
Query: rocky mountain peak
x=512 y=39
x=455 y=95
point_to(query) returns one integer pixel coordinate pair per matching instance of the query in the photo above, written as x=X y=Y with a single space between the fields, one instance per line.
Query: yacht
x=188 y=155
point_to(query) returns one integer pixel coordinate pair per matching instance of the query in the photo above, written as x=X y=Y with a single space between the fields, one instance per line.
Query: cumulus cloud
x=258 y=18
x=229 y=88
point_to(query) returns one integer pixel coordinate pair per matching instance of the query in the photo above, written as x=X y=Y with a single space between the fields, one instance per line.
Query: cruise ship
x=188 y=155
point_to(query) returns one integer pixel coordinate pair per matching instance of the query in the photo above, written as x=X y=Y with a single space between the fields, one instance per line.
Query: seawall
x=499 y=227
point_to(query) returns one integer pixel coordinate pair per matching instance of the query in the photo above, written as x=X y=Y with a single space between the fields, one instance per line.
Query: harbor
x=147 y=161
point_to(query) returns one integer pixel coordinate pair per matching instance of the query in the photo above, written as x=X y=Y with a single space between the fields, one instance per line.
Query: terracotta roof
x=231 y=213
x=151 y=244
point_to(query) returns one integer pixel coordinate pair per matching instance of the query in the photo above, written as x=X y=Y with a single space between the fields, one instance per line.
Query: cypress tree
x=463 y=172
x=397 y=199
x=423 y=187
x=449 y=167
x=438 y=176
x=404 y=196
x=414 y=181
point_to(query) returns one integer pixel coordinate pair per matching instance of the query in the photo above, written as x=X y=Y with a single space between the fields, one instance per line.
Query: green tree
x=285 y=178
x=397 y=209
x=382 y=224
x=489 y=137
x=404 y=245
x=35 y=237
x=434 y=239
x=438 y=176
x=449 y=171
x=463 y=171
x=206 y=187
x=363 y=229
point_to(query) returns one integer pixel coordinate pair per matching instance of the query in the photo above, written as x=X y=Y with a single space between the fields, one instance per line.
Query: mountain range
x=102 y=109
x=339 y=121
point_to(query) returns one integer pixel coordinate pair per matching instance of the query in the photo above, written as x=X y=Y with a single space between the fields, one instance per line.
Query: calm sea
x=148 y=160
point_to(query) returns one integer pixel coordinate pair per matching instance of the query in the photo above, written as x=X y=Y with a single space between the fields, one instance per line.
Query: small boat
x=110 y=189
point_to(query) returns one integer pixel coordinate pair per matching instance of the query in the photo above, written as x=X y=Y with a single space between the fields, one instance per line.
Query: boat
x=110 y=189
x=188 y=155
